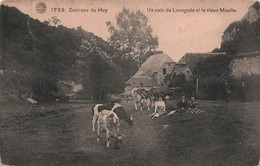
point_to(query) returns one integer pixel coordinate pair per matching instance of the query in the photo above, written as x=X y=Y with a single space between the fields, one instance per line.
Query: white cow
x=106 y=109
x=110 y=123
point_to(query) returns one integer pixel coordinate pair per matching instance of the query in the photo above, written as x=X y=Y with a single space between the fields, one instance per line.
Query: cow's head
x=113 y=124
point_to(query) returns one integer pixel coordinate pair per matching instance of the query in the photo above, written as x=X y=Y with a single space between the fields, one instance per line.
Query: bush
x=211 y=88
x=182 y=85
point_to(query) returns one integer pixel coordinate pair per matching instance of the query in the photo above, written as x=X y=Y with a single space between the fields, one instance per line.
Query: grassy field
x=60 y=134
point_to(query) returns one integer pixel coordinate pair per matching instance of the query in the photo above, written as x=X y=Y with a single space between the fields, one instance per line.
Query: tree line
x=36 y=56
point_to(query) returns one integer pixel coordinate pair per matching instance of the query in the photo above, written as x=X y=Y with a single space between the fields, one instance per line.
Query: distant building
x=71 y=89
x=245 y=64
x=151 y=73
x=188 y=62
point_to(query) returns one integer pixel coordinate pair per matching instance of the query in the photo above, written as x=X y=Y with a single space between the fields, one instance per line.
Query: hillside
x=35 y=56
x=244 y=35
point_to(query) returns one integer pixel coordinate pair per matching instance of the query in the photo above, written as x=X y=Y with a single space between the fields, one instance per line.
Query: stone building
x=151 y=73
x=245 y=64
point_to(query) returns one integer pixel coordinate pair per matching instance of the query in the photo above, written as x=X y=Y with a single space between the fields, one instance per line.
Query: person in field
x=242 y=92
x=159 y=108
x=227 y=91
x=193 y=104
x=183 y=103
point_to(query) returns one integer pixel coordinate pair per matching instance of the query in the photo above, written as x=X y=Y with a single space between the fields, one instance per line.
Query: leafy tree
x=181 y=84
x=216 y=66
x=97 y=70
x=132 y=34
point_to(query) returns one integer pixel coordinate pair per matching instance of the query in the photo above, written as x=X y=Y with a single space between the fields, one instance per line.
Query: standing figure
x=227 y=91
x=242 y=92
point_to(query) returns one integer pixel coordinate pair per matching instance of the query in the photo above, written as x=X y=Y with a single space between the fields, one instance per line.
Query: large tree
x=132 y=33
x=97 y=70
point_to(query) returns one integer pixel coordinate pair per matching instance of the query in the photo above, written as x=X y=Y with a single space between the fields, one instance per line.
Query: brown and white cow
x=141 y=96
x=110 y=123
x=106 y=109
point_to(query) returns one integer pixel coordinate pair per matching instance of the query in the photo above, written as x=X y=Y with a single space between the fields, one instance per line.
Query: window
x=164 y=71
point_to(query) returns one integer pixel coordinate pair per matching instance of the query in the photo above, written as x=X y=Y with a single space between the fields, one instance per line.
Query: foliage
x=217 y=66
x=212 y=88
x=36 y=56
x=132 y=34
x=97 y=70
x=182 y=84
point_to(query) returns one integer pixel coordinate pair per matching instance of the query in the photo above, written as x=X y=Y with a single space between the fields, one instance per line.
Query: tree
x=98 y=72
x=132 y=34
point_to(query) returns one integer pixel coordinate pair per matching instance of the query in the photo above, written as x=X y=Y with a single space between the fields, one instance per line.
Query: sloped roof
x=233 y=25
x=153 y=63
x=191 y=59
x=142 y=81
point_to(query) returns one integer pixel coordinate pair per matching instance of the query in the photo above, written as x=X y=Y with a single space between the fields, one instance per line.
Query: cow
x=106 y=109
x=110 y=123
x=142 y=96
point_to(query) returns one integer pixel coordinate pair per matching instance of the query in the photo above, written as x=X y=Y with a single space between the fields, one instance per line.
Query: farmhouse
x=188 y=62
x=151 y=73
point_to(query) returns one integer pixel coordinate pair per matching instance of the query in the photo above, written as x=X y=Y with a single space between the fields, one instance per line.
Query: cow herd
x=107 y=116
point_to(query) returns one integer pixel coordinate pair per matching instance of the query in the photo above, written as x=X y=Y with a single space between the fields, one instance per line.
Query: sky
x=178 y=32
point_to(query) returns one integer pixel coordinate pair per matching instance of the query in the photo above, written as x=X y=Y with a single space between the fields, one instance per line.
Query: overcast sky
x=178 y=32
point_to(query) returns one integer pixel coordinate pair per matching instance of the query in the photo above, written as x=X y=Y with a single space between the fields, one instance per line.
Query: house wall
x=245 y=66
x=160 y=75
x=182 y=69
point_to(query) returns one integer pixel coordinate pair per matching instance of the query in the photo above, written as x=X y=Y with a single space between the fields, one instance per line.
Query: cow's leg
x=107 y=135
x=94 y=119
x=98 y=132
x=135 y=105
x=148 y=104
x=118 y=130
x=141 y=109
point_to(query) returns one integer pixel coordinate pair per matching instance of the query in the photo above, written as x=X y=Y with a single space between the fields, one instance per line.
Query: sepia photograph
x=129 y=83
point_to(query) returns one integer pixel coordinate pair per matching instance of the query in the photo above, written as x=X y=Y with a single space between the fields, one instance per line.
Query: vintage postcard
x=141 y=82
